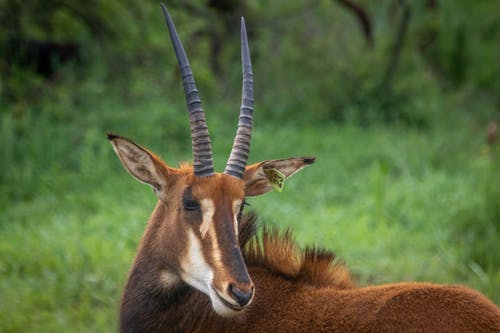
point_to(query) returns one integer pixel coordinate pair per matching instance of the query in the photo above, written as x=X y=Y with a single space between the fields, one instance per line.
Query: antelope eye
x=188 y=201
x=191 y=205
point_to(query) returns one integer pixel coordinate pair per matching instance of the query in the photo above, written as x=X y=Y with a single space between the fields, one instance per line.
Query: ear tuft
x=112 y=136
x=309 y=160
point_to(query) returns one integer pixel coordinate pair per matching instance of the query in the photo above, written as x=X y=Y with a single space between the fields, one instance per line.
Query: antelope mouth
x=231 y=306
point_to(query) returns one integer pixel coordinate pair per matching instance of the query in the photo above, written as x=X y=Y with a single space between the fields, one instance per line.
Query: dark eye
x=188 y=201
x=191 y=205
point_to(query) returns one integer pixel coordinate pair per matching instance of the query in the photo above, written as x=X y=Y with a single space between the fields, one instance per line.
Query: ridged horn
x=241 y=147
x=200 y=138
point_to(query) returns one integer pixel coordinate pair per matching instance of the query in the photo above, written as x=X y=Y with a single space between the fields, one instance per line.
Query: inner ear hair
x=139 y=162
x=289 y=166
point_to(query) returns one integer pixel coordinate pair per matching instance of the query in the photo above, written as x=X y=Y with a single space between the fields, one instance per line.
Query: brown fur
x=190 y=273
x=309 y=291
x=279 y=254
x=295 y=290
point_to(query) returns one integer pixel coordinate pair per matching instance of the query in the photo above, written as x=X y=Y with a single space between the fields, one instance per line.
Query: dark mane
x=279 y=253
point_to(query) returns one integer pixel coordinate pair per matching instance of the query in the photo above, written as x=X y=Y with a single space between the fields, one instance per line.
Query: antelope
x=201 y=268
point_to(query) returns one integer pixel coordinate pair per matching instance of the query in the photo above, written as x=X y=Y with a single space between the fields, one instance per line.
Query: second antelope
x=200 y=267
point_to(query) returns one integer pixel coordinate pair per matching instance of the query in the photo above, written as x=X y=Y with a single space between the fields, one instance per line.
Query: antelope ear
x=261 y=177
x=140 y=163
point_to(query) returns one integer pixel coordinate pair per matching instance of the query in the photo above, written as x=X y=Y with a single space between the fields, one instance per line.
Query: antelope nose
x=242 y=296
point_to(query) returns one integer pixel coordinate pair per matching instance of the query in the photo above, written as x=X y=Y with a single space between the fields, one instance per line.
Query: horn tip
x=165 y=11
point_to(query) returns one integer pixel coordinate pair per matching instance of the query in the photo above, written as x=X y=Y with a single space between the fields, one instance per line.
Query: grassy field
x=405 y=186
x=395 y=203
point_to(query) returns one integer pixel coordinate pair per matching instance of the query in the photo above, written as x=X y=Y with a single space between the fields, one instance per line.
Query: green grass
x=395 y=203
x=404 y=188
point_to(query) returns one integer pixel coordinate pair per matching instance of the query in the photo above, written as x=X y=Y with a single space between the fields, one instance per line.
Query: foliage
x=404 y=188
x=451 y=45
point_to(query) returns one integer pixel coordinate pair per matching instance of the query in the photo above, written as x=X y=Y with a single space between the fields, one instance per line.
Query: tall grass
x=396 y=203
x=404 y=187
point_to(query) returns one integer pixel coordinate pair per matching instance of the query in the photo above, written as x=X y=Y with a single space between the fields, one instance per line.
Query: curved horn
x=202 y=147
x=241 y=147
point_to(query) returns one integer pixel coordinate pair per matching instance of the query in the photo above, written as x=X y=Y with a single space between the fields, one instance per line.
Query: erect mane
x=279 y=253
x=186 y=166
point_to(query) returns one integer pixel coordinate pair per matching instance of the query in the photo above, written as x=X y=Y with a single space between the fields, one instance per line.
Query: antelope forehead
x=208 y=209
x=209 y=206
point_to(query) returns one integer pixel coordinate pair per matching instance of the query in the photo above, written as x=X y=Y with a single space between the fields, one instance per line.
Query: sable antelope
x=191 y=274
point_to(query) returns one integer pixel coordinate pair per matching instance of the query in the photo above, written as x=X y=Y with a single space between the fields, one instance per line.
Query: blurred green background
x=398 y=101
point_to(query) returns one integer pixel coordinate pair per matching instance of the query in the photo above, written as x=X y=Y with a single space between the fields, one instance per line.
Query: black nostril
x=242 y=297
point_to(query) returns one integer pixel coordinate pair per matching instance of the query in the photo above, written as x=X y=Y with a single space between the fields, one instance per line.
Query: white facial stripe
x=197 y=273
x=215 y=247
x=236 y=209
x=195 y=270
x=208 y=209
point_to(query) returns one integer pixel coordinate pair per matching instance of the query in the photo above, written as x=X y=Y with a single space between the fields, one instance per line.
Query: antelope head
x=193 y=232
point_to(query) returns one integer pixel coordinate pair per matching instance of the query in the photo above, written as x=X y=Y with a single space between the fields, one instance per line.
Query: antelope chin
x=222 y=306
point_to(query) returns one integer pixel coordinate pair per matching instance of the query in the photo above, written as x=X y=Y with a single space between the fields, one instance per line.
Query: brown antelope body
x=200 y=267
